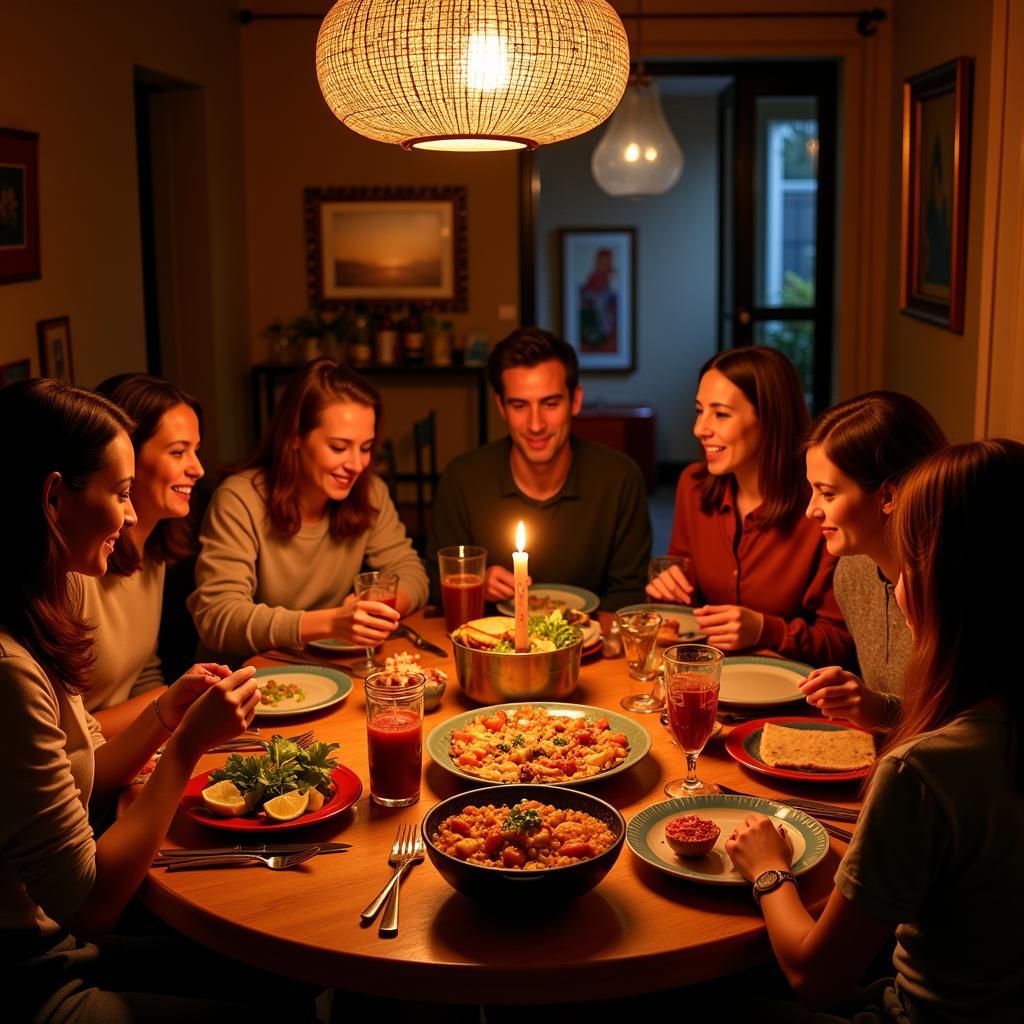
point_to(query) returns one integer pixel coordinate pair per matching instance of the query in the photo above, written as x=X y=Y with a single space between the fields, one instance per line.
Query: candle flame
x=520 y=536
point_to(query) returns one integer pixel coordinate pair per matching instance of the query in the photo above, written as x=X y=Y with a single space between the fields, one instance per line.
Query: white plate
x=761 y=682
x=322 y=687
x=571 y=597
x=335 y=647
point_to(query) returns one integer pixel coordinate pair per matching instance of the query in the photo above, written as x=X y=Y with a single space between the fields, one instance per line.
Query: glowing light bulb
x=632 y=153
x=486 y=62
x=650 y=153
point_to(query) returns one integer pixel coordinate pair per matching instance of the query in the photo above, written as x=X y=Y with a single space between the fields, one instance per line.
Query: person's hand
x=841 y=694
x=184 y=692
x=499 y=584
x=671 y=585
x=366 y=623
x=729 y=627
x=759 y=845
x=226 y=709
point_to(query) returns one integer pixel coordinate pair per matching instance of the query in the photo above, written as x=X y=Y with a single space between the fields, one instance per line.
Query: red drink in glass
x=395 y=739
x=692 y=705
x=463 y=599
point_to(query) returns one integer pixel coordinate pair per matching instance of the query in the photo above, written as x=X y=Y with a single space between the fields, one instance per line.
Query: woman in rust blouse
x=758 y=572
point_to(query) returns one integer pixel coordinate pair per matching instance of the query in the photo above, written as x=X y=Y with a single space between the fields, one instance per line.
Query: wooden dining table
x=640 y=930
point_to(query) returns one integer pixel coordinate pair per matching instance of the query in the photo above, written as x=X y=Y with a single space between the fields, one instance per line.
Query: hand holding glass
x=639 y=631
x=692 y=674
x=381 y=587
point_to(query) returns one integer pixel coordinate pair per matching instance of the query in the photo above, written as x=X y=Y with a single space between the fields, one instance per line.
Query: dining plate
x=347 y=790
x=744 y=745
x=560 y=595
x=761 y=682
x=335 y=647
x=439 y=740
x=645 y=836
x=689 y=631
x=321 y=687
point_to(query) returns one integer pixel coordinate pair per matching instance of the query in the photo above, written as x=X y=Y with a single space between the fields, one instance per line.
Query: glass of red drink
x=394 y=737
x=381 y=587
x=692 y=674
x=462 y=583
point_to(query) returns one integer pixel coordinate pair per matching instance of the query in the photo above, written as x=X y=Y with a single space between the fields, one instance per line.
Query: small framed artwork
x=19 y=206
x=20 y=370
x=599 y=297
x=55 y=349
x=936 y=167
x=387 y=246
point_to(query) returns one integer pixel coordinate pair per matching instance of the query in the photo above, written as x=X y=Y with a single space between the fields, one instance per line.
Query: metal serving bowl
x=501 y=885
x=489 y=678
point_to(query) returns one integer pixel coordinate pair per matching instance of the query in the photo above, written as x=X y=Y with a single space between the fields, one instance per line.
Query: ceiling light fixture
x=638 y=155
x=472 y=75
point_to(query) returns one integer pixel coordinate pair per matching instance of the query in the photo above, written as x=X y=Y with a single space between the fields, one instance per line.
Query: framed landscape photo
x=936 y=168
x=387 y=246
x=10 y=372
x=55 y=349
x=19 y=206
x=599 y=297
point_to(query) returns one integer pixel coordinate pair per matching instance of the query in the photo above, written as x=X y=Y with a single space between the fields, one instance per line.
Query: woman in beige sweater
x=284 y=538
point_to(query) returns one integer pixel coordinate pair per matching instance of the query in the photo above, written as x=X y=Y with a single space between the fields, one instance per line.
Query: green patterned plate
x=321 y=688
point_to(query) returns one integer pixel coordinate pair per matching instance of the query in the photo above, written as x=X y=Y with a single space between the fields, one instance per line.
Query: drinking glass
x=639 y=631
x=462 y=583
x=375 y=586
x=692 y=674
x=394 y=737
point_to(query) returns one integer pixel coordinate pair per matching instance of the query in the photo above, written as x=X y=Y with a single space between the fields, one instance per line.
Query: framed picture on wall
x=936 y=167
x=55 y=349
x=599 y=297
x=10 y=372
x=387 y=246
x=19 y=206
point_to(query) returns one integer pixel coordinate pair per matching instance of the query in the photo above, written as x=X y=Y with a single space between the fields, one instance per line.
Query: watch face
x=767 y=879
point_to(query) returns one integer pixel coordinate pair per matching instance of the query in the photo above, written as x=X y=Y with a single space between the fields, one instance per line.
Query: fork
x=274 y=861
x=302 y=741
x=389 y=922
x=401 y=851
x=811 y=807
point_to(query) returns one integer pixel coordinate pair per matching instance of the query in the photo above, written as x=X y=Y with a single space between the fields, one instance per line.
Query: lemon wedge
x=287 y=806
x=224 y=799
x=316 y=800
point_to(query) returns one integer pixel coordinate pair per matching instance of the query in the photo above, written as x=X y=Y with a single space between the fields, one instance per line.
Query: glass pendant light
x=638 y=155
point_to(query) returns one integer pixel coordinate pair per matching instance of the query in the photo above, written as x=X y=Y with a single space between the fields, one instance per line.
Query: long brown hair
x=316 y=386
x=770 y=383
x=958 y=542
x=52 y=427
x=146 y=399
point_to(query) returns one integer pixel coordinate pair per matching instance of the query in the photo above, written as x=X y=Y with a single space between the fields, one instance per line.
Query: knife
x=418 y=641
x=219 y=851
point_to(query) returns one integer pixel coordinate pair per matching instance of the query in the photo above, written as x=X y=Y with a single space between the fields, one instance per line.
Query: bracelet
x=160 y=718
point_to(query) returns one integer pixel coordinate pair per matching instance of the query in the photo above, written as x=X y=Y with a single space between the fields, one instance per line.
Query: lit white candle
x=522 y=590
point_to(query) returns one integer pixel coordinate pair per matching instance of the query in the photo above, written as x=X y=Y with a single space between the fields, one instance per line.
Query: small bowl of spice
x=690 y=836
x=399 y=668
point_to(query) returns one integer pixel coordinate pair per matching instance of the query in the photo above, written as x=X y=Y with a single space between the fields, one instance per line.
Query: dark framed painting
x=387 y=246
x=10 y=372
x=55 y=349
x=599 y=297
x=19 y=206
x=936 y=169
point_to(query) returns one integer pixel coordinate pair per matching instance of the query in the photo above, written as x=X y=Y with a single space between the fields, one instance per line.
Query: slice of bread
x=816 y=750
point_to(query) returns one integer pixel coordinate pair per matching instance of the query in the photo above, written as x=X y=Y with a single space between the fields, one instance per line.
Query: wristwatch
x=769 y=881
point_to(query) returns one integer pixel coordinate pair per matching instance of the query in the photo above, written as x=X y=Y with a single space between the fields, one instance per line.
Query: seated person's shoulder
x=22 y=680
x=468 y=465
x=609 y=461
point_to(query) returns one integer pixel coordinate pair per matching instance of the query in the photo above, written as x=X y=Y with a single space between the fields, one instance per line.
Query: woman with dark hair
x=61 y=889
x=284 y=538
x=125 y=603
x=940 y=839
x=759 y=566
x=857 y=455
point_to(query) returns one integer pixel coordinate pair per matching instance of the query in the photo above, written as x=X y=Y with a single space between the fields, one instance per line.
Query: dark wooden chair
x=424 y=438
x=386 y=467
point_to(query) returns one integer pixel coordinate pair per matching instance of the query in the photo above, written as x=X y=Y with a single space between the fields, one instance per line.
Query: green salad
x=552 y=632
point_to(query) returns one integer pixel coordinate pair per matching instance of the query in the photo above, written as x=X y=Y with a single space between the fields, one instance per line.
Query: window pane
x=786 y=199
x=794 y=338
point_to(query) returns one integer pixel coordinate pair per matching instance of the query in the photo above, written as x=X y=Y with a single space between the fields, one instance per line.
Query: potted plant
x=317 y=333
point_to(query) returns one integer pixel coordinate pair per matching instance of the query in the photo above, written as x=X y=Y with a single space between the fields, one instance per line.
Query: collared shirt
x=783 y=572
x=594 y=533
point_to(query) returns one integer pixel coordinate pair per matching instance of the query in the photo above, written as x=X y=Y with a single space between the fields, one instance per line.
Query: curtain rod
x=867 y=18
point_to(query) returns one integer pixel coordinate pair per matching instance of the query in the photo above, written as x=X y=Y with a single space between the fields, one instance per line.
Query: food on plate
x=251 y=783
x=816 y=750
x=530 y=744
x=399 y=667
x=690 y=836
x=496 y=633
x=528 y=836
x=541 y=604
x=668 y=631
x=272 y=693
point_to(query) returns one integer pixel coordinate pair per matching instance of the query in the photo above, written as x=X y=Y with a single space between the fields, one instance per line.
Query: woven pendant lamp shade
x=472 y=74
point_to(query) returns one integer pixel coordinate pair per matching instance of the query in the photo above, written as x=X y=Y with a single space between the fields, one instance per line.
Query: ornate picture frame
x=21 y=369
x=19 y=206
x=55 y=358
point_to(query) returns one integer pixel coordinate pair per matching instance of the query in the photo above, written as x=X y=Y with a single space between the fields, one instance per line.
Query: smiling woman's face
x=338 y=450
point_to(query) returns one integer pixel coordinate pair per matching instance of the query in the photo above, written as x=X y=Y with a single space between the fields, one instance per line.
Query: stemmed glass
x=639 y=631
x=383 y=588
x=692 y=674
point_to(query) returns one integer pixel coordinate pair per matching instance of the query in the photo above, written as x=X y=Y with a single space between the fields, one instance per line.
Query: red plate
x=347 y=790
x=744 y=745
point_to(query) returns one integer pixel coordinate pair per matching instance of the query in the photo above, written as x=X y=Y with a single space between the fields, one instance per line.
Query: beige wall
x=66 y=72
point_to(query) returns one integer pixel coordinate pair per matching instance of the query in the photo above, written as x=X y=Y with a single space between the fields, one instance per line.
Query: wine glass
x=692 y=674
x=383 y=588
x=639 y=631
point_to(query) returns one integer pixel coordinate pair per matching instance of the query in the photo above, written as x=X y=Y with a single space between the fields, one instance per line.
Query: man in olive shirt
x=584 y=505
